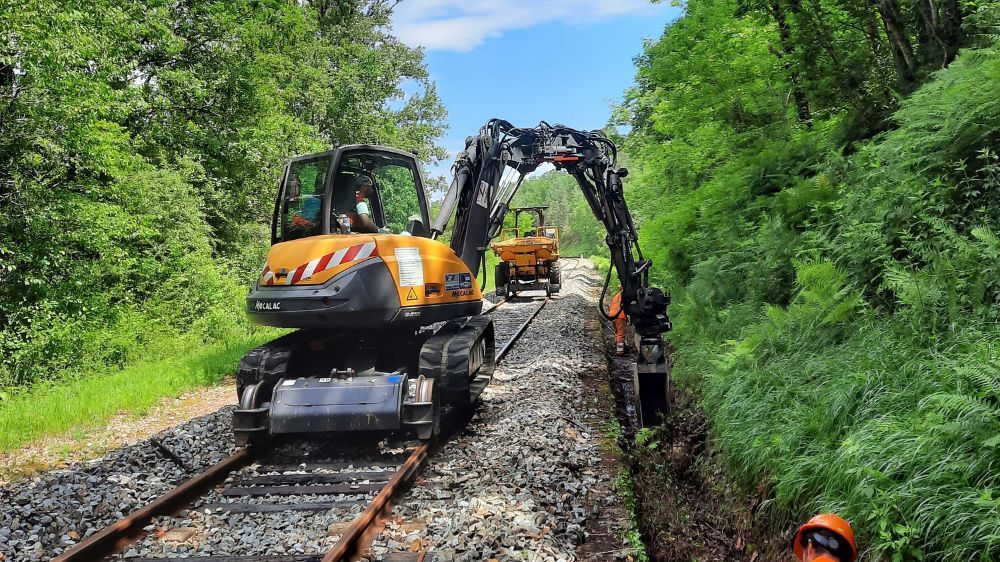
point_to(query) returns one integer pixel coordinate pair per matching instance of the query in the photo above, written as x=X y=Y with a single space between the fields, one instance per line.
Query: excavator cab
x=322 y=194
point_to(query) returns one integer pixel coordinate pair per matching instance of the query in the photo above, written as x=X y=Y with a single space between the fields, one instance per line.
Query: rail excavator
x=389 y=331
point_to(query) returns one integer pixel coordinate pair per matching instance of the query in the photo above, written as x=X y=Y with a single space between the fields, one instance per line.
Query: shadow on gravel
x=685 y=506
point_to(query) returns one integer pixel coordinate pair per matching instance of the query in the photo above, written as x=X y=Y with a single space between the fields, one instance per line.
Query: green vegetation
x=817 y=182
x=625 y=487
x=87 y=402
x=580 y=233
x=140 y=145
x=818 y=185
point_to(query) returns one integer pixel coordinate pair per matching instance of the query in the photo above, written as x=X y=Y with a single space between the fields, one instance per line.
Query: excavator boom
x=489 y=172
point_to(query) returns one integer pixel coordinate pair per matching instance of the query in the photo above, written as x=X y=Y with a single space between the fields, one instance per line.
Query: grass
x=625 y=488
x=491 y=261
x=89 y=400
x=896 y=431
x=601 y=263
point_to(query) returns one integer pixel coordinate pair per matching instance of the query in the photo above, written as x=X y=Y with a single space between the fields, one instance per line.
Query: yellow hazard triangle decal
x=412 y=296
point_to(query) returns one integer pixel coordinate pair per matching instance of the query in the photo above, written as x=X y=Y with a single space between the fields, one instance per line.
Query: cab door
x=301 y=202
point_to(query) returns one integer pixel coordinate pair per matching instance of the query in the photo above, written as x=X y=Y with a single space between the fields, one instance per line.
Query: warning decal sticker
x=411 y=267
x=412 y=296
x=483 y=197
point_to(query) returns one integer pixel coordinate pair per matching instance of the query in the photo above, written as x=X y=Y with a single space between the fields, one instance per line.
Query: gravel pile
x=516 y=483
x=44 y=515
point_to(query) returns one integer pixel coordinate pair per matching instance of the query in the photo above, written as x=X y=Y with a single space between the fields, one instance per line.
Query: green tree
x=140 y=145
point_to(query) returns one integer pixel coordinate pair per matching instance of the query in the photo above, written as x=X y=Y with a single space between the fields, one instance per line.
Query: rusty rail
x=506 y=346
x=113 y=538
x=494 y=307
x=354 y=540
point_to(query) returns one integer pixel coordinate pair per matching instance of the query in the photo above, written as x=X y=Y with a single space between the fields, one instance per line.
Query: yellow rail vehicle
x=528 y=256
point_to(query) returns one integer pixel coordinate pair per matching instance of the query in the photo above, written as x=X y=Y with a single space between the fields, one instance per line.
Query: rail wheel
x=250 y=419
x=425 y=394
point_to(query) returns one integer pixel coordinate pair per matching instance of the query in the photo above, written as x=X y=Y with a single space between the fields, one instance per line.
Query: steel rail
x=113 y=538
x=506 y=346
x=356 y=538
x=353 y=541
x=494 y=307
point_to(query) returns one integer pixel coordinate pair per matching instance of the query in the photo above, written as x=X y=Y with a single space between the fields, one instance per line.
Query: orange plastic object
x=830 y=522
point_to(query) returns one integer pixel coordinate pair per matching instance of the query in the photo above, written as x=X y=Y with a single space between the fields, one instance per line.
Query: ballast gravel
x=204 y=531
x=517 y=483
x=44 y=515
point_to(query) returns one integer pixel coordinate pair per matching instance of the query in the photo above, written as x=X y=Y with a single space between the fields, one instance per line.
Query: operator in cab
x=361 y=218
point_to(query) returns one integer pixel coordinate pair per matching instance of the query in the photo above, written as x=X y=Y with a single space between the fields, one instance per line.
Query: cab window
x=303 y=197
x=383 y=185
x=399 y=196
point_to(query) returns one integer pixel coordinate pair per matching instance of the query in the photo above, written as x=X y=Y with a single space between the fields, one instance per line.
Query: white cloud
x=463 y=25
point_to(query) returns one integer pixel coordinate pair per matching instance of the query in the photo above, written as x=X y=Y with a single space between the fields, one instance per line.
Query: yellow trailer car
x=528 y=257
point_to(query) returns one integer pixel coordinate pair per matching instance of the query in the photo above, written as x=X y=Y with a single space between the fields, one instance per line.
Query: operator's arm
x=365 y=222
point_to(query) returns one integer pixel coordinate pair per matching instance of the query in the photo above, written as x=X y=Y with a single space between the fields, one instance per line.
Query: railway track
x=347 y=490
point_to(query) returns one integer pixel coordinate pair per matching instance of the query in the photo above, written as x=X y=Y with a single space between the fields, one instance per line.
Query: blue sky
x=525 y=61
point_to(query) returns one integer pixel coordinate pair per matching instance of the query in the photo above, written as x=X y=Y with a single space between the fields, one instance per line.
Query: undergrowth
x=864 y=418
x=625 y=488
x=836 y=291
x=88 y=400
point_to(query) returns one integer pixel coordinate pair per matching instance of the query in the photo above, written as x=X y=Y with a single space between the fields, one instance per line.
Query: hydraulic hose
x=604 y=292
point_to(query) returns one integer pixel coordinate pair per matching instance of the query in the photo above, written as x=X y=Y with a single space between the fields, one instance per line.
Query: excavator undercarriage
x=325 y=382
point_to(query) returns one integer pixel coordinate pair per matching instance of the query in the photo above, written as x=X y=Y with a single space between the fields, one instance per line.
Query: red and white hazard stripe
x=323 y=263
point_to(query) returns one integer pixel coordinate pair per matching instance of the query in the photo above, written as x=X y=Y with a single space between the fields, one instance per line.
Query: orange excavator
x=389 y=333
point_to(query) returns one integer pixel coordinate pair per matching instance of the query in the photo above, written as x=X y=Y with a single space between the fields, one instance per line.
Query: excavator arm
x=488 y=173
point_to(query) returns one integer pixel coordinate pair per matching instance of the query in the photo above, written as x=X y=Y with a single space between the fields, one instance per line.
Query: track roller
x=462 y=358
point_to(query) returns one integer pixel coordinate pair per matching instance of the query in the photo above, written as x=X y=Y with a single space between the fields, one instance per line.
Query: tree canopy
x=140 y=144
